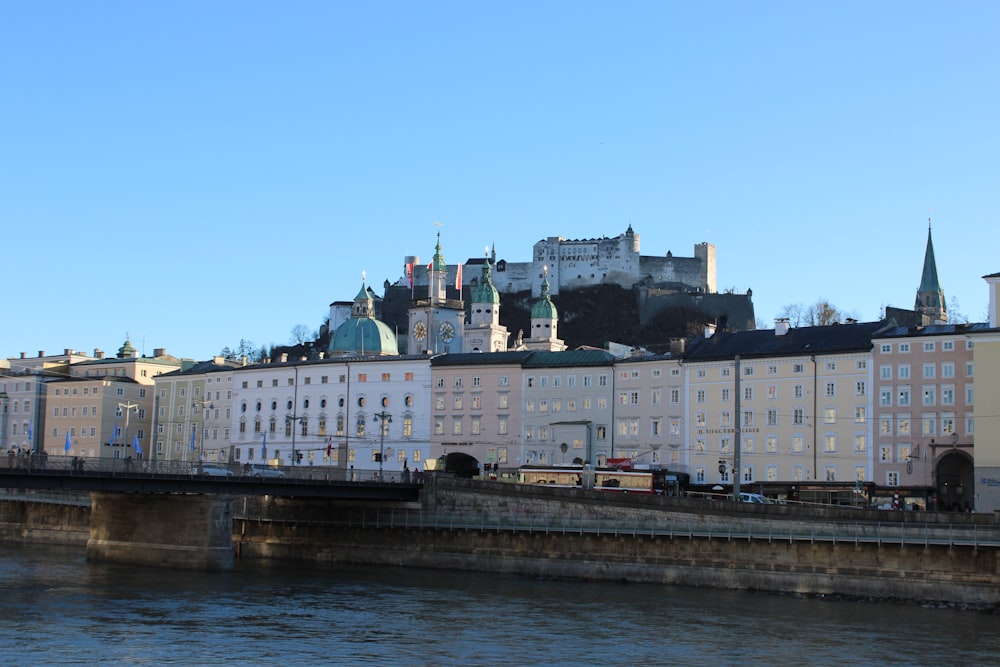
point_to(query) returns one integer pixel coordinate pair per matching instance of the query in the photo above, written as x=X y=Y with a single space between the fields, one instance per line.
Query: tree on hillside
x=301 y=334
x=246 y=349
x=820 y=314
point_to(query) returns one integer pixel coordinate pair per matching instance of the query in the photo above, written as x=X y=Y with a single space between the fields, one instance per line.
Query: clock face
x=447 y=332
x=419 y=331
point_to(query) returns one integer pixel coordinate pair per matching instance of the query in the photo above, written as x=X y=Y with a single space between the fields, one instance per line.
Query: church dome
x=486 y=292
x=362 y=333
x=544 y=308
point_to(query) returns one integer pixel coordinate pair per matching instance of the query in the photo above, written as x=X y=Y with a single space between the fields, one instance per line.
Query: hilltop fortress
x=578 y=263
x=604 y=289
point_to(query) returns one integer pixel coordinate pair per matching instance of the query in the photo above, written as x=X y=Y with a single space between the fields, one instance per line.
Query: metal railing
x=673 y=528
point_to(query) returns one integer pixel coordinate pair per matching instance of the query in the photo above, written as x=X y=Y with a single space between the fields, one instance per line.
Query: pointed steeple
x=930 y=297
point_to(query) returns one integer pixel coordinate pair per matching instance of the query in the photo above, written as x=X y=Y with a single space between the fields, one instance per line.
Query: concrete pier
x=191 y=532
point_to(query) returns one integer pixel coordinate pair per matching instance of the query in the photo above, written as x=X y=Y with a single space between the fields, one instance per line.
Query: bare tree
x=795 y=313
x=300 y=334
x=824 y=313
x=955 y=315
x=819 y=314
x=246 y=349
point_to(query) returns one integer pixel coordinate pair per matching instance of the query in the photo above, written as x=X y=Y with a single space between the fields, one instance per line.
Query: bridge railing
x=759 y=530
x=45 y=464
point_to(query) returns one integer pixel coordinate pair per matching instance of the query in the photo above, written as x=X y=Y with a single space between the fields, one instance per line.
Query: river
x=58 y=609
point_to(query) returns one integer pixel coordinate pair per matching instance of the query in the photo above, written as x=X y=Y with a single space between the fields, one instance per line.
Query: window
x=903 y=425
x=724 y=396
x=829 y=415
x=831 y=366
x=860 y=387
x=885 y=397
x=929 y=425
x=860 y=414
x=772 y=392
x=798 y=391
x=948 y=345
x=930 y=370
x=904 y=372
x=829 y=443
x=904 y=396
x=503 y=381
x=859 y=442
x=885 y=372
x=772 y=444
x=947 y=395
x=929 y=396
x=904 y=347
x=892 y=478
x=797 y=444
x=928 y=346
x=798 y=416
x=831 y=389
x=772 y=417
x=502 y=426
x=700 y=396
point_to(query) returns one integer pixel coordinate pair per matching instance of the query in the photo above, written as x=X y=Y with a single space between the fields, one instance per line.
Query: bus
x=653 y=481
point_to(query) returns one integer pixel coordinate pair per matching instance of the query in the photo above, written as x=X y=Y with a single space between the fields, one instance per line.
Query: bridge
x=182 y=516
x=389 y=489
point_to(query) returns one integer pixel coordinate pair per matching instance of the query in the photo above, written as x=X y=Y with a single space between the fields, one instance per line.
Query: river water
x=58 y=609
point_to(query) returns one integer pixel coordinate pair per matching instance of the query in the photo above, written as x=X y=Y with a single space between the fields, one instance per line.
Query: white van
x=755 y=498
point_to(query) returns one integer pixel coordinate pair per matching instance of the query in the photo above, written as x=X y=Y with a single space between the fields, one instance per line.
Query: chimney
x=41 y=353
x=24 y=355
x=994 y=286
x=678 y=345
x=709 y=330
x=159 y=351
x=68 y=352
x=850 y=320
x=284 y=357
x=781 y=326
x=218 y=360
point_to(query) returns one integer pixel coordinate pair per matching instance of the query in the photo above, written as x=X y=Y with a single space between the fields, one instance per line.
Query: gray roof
x=834 y=338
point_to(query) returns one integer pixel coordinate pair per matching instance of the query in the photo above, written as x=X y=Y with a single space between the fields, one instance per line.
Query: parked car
x=210 y=470
x=263 y=472
x=755 y=498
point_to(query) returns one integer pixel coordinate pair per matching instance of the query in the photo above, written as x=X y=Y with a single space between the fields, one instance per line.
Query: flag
x=30 y=424
x=69 y=443
x=114 y=434
x=458 y=278
x=135 y=445
x=409 y=273
x=263 y=446
x=193 y=427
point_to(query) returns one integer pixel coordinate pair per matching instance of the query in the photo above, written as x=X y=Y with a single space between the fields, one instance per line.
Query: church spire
x=930 y=297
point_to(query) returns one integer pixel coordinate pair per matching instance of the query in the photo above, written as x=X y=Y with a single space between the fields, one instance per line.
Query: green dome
x=363 y=334
x=486 y=292
x=544 y=308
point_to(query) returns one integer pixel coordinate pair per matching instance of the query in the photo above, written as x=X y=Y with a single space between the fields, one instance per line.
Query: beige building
x=796 y=401
x=986 y=410
x=475 y=407
x=103 y=408
x=650 y=411
x=193 y=414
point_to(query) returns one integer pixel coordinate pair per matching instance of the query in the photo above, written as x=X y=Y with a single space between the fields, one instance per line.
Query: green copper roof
x=486 y=292
x=930 y=295
x=439 y=263
x=544 y=308
x=363 y=333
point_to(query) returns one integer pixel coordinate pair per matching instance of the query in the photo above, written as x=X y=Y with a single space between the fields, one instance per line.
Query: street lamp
x=204 y=404
x=127 y=407
x=383 y=419
x=292 y=419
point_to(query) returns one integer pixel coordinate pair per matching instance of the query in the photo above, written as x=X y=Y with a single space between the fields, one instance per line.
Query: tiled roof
x=481 y=358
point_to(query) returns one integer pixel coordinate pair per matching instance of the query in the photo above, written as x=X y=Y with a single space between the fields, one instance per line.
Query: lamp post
x=383 y=419
x=203 y=404
x=293 y=420
x=127 y=407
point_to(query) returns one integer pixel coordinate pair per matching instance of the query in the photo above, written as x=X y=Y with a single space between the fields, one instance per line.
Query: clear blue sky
x=195 y=173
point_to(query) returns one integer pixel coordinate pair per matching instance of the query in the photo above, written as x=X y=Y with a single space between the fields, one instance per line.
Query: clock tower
x=437 y=323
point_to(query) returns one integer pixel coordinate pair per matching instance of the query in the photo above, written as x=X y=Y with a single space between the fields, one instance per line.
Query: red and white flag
x=409 y=272
x=458 y=278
